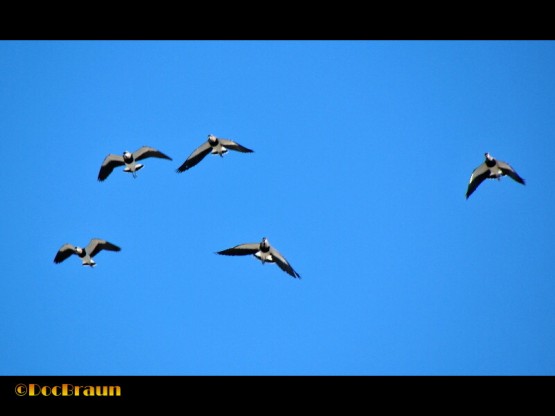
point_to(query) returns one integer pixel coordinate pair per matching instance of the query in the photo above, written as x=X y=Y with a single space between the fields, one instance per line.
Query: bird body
x=213 y=145
x=264 y=252
x=491 y=168
x=129 y=160
x=85 y=254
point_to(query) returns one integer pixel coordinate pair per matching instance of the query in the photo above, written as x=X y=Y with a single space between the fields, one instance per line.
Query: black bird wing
x=110 y=162
x=198 y=154
x=282 y=263
x=230 y=144
x=96 y=245
x=147 y=151
x=478 y=176
x=64 y=252
x=241 y=250
x=509 y=171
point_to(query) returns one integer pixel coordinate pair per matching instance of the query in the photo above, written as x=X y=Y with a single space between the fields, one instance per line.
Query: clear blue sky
x=362 y=155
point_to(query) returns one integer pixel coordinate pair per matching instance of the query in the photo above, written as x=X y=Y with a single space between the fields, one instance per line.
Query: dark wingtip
x=469 y=192
x=182 y=168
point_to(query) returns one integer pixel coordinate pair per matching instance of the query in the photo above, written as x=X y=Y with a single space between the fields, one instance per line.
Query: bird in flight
x=264 y=252
x=95 y=246
x=491 y=169
x=129 y=160
x=213 y=145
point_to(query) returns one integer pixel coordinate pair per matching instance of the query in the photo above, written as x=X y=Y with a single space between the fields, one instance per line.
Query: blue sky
x=362 y=155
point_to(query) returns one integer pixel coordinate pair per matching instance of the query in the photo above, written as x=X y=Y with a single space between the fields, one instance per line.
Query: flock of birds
x=491 y=168
x=263 y=251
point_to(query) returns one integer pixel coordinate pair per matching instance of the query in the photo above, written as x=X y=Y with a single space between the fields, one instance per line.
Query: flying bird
x=263 y=252
x=491 y=169
x=129 y=160
x=213 y=145
x=86 y=254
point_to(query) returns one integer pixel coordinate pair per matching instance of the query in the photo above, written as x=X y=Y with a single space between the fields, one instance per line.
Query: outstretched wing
x=64 y=252
x=282 y=263
x=230 y=144
x=241 y=250
x=96 y=245
x=478 y=176
x=147 y=151
x=509 y=171
x=195 y=157
x=110 y=162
